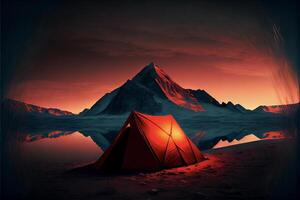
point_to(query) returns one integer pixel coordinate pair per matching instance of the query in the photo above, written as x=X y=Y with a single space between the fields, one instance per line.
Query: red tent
x=148 y=142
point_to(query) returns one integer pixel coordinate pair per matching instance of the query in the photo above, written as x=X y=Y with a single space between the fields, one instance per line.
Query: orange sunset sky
x=81 y=52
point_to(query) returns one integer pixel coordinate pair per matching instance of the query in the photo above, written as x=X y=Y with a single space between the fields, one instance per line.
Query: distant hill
x=13 y=107
x=289 y=108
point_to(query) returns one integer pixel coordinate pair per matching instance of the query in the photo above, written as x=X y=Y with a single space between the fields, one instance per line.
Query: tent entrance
x=115 y=160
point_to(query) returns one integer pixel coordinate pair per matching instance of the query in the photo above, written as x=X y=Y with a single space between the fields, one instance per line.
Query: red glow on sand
x=212 y=164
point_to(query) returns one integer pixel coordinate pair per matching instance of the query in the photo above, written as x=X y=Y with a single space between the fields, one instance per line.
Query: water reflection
x=53 y=134
x=65 y=148
x=76 y=147
x=246 y=139
x=276 y=135
x=271 y=135
x=236 y=136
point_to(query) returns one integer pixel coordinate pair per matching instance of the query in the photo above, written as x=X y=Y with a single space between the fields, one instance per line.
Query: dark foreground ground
x=259 y=170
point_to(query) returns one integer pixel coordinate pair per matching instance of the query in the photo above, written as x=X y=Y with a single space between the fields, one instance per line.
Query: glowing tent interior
x=149 y=143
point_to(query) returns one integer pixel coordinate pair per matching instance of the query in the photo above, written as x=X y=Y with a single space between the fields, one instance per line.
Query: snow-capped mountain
x=153 y=91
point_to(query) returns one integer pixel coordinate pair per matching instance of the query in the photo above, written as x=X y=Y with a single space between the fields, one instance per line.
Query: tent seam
x=178 y=150
x=155 y=125
x=165 y=153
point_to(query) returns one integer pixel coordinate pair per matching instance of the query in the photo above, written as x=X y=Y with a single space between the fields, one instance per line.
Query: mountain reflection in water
x=69 y=148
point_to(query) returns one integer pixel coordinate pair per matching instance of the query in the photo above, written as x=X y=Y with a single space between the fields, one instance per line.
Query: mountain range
x=150 y=91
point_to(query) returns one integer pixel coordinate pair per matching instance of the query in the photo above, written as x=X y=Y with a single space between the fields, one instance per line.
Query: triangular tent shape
x=149 y=143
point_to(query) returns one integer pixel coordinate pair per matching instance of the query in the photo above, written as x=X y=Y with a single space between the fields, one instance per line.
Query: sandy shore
x=258 y=170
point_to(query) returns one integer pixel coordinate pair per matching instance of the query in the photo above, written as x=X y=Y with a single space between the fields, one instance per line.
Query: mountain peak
x=150 y=71
x=151 y=67
x=155 y=79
